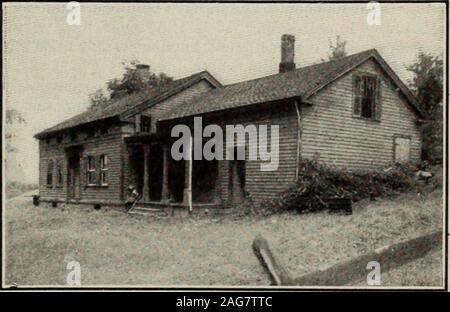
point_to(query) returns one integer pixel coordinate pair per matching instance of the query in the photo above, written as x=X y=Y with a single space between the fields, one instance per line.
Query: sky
x=50 y=67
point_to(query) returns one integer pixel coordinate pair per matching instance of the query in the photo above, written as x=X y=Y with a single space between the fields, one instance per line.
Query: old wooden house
x=353 y=112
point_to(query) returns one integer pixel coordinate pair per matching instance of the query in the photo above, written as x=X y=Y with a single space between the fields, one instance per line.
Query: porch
x=167 y=183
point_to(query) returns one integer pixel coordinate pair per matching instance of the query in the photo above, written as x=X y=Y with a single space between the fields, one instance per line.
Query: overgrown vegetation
x=427 y=84
x=319 y=183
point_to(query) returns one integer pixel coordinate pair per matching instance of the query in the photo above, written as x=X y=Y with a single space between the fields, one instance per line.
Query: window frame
x=104 y=161
x=376 y=102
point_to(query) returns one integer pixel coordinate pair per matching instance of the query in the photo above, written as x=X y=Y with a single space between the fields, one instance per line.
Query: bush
x=317 y=183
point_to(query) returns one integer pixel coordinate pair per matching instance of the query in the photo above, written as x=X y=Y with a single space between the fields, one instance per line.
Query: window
x=366 y=97
x=59 y=139
x=59 y=174
x=104 y=170
x=50 y=173
x=145 y=123
x=91 y=170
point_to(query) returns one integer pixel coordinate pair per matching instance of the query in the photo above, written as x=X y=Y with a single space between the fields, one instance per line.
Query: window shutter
x=357 y=83
x=83 y=171
x=378 y=106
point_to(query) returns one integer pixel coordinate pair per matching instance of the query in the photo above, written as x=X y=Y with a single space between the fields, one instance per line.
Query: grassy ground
x=116 y=249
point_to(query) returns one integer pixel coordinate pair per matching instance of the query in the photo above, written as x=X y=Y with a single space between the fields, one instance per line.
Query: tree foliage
x=12 y=118
x=427 y=84
x=427 y=81
x=337 y=50
x=129 y=83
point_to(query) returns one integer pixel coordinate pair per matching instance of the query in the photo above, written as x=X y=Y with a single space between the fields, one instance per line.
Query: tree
x=130 y=82
x=427 y=81
x=427 y=84
x=12 y=117
x=337 y=51
x=98 y=99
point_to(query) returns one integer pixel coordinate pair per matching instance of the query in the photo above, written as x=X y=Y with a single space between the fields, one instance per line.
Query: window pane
x=104 y=176
x=91 y=177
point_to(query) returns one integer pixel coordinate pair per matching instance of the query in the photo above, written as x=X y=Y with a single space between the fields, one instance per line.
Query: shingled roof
x=301 y=83
x=121 y=105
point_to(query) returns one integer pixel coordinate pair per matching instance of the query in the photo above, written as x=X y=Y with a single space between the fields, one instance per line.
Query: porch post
x=146 y=189
x=187 y=194
x=165 y=181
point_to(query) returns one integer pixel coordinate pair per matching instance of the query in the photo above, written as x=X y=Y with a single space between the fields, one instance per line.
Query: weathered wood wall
x=330 y=131
x=262 y=185
x=108 y=144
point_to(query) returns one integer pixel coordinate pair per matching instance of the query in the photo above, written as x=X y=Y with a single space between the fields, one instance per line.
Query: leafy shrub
x=318 y=183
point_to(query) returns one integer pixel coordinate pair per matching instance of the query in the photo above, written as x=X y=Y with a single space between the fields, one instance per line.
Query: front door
x=73 y=177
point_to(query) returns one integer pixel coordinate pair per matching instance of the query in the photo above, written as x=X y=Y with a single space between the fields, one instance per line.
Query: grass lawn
x=114 y=248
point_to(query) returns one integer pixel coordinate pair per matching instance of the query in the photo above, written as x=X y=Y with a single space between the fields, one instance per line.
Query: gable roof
x=128 y=103
x=301 y=83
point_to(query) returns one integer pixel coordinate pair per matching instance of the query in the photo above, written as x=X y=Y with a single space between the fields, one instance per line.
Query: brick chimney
x=143 y=72
x=287 y=53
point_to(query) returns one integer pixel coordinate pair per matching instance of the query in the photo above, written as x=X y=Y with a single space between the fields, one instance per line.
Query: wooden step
x=147 y=211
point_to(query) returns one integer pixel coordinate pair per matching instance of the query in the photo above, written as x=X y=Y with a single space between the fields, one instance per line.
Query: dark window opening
x=145 y=123
x=240 y=164
x=50 y=173
x=366 y=97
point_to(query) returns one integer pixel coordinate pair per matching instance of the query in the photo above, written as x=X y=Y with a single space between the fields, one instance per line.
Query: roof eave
x=297 y=97
x=45 y=134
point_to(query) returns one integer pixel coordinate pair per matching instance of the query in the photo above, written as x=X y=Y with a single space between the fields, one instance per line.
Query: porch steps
x=143 y=211
x=163 y=209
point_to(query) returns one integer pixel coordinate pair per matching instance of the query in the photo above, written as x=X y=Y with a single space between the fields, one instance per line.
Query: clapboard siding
x=331 y=133
x=262 y=185
x=109 y=144
x=111 y=147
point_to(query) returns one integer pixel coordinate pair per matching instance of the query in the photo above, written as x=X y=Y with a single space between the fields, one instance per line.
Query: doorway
x=73 y=176
x=237 y=176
